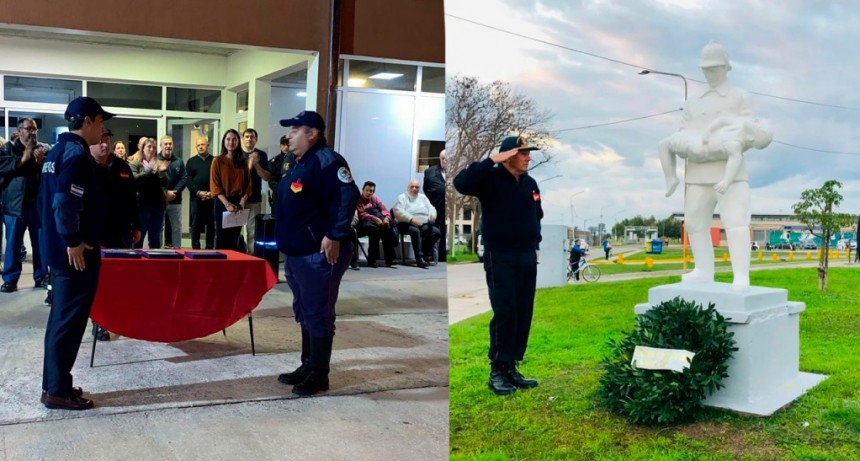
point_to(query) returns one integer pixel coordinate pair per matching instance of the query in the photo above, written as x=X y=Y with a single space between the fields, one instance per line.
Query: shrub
x=664 y=396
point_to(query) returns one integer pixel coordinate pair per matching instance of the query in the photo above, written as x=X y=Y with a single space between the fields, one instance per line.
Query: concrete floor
x=211 y=399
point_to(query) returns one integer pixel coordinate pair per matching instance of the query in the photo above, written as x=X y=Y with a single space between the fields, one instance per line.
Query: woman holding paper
x=230 y=182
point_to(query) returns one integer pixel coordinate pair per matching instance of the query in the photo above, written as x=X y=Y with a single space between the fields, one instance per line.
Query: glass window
x=194 y=100
x=45 y=90
x=433 y=80
x=428 y=154
x=366 y=74
x=299 y=77
x=242 y=101
x=49 y=125
x=125 y=95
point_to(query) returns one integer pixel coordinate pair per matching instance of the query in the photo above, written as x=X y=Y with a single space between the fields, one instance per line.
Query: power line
x=618 y=121
x=816 y=150
x=636 y=66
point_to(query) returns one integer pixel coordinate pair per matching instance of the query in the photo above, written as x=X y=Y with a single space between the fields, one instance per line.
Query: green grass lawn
x=560 y=420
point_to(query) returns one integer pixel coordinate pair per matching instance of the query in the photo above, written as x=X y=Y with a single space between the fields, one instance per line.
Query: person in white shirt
x=415 y=215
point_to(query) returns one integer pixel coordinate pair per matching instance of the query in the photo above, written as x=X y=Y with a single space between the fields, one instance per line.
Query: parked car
x=852 y=244
x=481 y=248
x=809 y=245
x=782 y=246
x=755 y=246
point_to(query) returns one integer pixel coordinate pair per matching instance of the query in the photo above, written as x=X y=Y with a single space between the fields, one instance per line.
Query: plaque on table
x=161 y=254
x=114 y=253
x=205 y=254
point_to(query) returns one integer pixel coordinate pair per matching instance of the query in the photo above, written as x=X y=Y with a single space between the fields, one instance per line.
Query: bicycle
x=588 y=272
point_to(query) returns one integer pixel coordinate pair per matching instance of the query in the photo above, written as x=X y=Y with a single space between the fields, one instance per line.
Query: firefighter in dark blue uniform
x=71 y=207
x=510 y=226
x=316 y=203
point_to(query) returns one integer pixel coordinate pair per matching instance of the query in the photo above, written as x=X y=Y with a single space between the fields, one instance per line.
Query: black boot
x=499 y=382
x=299 y=374
x=517 y=379
x=317 y=379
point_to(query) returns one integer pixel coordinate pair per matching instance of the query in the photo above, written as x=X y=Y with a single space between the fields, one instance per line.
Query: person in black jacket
x=20 y=165
x=434 y=189
x=72 y=209
x=510 y=226
x=198 y=170
x=316 y=205
x=176 y=182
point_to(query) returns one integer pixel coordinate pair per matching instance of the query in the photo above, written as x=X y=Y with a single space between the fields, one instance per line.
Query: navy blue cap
x=306 y=118
x=515 y=141
x=82 y=107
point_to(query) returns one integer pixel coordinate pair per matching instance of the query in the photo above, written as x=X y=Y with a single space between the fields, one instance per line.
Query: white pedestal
x=764 y=373
x=552 y=270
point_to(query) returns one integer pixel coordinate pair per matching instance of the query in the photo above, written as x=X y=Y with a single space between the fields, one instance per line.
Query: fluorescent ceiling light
x=385 y=76
x=356 y=82
x=301 y=94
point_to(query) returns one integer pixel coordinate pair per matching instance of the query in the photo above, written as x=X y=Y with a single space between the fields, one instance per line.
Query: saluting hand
x=331 y=248
x=500 y=157
x=76 y=255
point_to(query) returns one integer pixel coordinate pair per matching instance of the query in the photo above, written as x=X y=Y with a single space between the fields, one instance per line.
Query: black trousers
x=74 y=292
x=374 y=233
x=202 y=220
x=226 y=239
x=511 y=278
x=423 y=238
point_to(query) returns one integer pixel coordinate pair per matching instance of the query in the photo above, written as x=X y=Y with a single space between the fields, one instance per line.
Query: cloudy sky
x=802 y=50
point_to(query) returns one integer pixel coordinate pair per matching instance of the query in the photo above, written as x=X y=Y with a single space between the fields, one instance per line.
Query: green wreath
x=662 y=396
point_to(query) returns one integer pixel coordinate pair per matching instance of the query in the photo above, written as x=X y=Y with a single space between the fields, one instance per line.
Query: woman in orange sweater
x=230 y=183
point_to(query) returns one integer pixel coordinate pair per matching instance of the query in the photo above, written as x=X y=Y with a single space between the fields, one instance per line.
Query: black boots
x=317 y=380
x=505 y=379
x=499 y=382
x=517 y=379
x=299 y=374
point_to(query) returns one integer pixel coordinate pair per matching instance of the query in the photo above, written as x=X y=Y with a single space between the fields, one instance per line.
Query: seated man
x=415 y=215
x=374 y=221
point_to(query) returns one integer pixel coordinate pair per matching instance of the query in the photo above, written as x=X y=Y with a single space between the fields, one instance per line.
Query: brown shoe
x=76 y=391
x=74 y=402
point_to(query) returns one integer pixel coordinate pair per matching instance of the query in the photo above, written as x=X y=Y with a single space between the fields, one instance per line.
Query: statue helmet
x=713 y=54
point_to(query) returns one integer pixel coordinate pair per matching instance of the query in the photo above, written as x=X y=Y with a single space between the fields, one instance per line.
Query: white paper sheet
x=239 y=218
x=653 y=358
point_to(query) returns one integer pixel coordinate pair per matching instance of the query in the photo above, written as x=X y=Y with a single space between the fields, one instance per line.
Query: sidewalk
x=467 y=290
x=211 y=399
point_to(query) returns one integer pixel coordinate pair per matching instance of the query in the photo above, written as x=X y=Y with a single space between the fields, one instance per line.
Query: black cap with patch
x=515 y=142
x=82 y=107
x=306 y=118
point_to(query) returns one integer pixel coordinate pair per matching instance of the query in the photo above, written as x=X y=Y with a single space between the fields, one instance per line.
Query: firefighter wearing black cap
x=316 y=203
x=71 y=207
x=510 y=226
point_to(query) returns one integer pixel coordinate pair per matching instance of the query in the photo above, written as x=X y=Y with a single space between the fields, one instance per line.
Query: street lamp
x=651 y=71
x=615 y=221
x=600 y=224
x=572 y=224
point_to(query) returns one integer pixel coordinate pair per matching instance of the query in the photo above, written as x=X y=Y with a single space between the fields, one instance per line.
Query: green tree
x=816 y=210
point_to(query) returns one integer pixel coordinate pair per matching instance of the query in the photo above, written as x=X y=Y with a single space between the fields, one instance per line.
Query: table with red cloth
x=169 y=300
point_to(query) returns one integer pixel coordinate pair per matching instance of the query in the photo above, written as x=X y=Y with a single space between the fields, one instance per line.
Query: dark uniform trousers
x=511 y=278
x=203 y=220
x=74 y=292
x=315 y=284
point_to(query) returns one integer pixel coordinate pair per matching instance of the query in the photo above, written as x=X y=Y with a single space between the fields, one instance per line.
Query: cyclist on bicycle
x=576 y=254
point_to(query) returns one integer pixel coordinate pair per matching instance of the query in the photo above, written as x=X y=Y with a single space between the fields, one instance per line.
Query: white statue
x=717 y=128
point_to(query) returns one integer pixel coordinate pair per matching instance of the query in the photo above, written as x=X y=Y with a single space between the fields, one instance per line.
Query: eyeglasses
x=28 y=128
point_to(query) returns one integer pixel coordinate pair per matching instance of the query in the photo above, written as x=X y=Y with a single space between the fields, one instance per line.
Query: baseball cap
x=306 y=118
x=82 y=107
x=515 y=141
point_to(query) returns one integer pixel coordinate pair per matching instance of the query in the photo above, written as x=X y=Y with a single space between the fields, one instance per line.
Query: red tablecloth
x=169 y=300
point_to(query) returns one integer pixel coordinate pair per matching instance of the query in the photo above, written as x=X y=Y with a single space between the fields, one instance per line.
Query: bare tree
x=816 y=210
x=478 y=117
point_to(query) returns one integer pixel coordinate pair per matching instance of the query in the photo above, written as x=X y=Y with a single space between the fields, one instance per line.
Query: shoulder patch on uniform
x=536 y=196
x=344 y=175
x=77 y=191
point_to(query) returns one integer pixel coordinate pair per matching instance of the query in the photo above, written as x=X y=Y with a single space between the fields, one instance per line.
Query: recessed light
x=356 y=82
x=385 y=76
